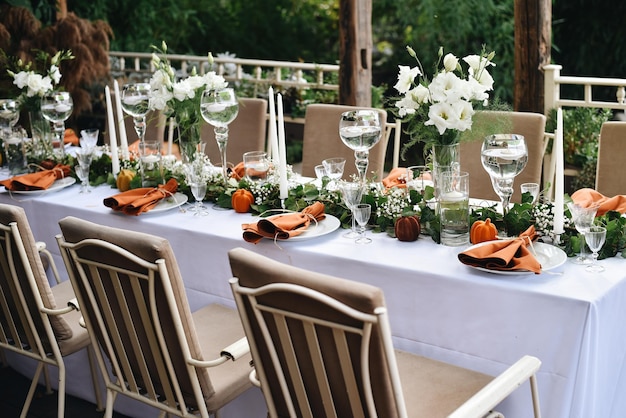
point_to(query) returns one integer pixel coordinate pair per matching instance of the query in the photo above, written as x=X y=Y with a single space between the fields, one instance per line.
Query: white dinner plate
x=168 y=203
x=323 y=227
x=57 y=185
x=549 y=256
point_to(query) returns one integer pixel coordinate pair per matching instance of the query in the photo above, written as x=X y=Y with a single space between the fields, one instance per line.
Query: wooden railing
x=259 y=73
x=553 y=80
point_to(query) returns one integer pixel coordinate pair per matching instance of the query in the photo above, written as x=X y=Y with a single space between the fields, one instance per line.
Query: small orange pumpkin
x=407 y=228
x=241 y=200
x=483 y=231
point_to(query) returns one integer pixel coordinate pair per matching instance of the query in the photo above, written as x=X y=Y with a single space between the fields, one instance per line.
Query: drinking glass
x=195 y=178
x=84 y=157
x=595 y=237
x=583 y=220
x=453 y=202
x=135 y=102
x=150 y=163
x=320 y=171
x=362 y=212
x=56 y=107
x=333 y=168
x=256 y=165
x=418 y=177
x=360 y=130
x=219 y=108
x=9 y=115
x=532 y=188
x=504 y=156
x=89 y=138
x=351 y=192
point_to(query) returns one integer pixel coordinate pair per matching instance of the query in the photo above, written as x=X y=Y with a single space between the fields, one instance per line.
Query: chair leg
x=46 y=378
x=94 y=378
x=61 y=391
x=31 y=390
x=109 y=404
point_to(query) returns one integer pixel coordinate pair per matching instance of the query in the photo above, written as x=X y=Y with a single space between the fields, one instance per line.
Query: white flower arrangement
x=436 y=111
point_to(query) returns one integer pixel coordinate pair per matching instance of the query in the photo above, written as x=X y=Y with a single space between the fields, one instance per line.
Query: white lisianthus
x=450 y=62
x=55 y=74
x=406 y=77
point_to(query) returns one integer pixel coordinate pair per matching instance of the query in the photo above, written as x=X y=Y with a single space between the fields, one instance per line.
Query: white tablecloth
x=572 y=320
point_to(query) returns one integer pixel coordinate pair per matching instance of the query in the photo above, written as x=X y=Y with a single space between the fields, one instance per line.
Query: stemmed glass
x=194 y=174
x=583 y=220
x=595 y=237
x=333 y=169
x=362 y=212
x=9 y=115
x=84 y=157
x=360 y=130
x=135 y=102
x=351 y=193
x=56 y=107
x=504 y=156
x=219 y=108
x=89 y=138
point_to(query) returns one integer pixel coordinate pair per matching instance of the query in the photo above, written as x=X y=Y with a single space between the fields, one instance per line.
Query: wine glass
x=84 y=157
x=135 y=102
x=583 y=220
x=219 y=108
x=362 y=212
x=89 y=138
x=195 y=178
x=56 y=107
x=351 y=192
x=333 y=168
x=504 y=156
x=532 y=188
x=595 y=237
x=360 y=130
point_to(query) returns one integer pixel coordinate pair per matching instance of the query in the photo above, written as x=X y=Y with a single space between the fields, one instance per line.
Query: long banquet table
x=572 y=320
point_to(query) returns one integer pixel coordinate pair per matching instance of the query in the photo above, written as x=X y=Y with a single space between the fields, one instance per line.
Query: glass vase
x=445 y=158
x=41 y=144
x=189 y=141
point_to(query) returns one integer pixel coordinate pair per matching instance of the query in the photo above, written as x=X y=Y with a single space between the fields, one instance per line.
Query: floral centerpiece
x=181 y=98
x=436 y=111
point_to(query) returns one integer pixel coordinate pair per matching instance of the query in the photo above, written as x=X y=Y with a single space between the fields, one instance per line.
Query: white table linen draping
x=571 y=320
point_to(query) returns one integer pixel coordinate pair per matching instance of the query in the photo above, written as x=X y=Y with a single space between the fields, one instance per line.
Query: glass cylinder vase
x=41 y=143
x=445 y=158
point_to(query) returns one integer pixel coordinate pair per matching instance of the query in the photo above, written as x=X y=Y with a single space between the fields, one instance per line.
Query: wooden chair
x=531 y=125
x=321 y=140
x=35 y=319
x=610 y=180
x=246 y=133
x=135 y=308
x=322 y=348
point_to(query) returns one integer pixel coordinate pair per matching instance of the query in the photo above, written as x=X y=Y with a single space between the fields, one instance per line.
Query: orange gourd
x=407 y=228
x=482 y=231
x=241 y=200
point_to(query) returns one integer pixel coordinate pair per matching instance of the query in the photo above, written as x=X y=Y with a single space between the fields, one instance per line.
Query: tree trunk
x=61 y=9
x=355 y=52
x=533 y=20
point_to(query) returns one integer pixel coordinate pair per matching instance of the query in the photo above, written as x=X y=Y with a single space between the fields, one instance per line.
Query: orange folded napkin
x=40 y=180
x=504 y=255
x=138 y=201
x=70 y=137
x=395 y=178
x=283 y=226
x=589 y=197
x=238 y=171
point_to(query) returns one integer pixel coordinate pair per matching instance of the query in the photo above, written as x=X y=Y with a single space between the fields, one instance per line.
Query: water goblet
x=194 y=175
x=56 y=107
x=362 y=212
x=595 y=237
x=333 y=167
x=219 y=108
x=532 y=188
x=360 y=130
x=503 y=157
x=89 y=138
x=351 y=192
x=583 y=219
x=256 y=165
x=84 y=157
x=135 y=102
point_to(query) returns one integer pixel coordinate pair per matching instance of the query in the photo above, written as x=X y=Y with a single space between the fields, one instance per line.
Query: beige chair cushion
x=9 y=213
x=321 y=140
x=610 y=180
x=246 y=133
x=531 y=125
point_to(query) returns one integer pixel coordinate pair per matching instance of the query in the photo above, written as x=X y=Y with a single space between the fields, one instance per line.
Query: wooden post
x=533 y=40
x=355 y=52
x=61 y=9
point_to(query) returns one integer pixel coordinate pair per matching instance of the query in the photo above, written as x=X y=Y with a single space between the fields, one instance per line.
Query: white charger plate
x=57 y=185
x=168 y=203
x=549 y=256
x=327 y=225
